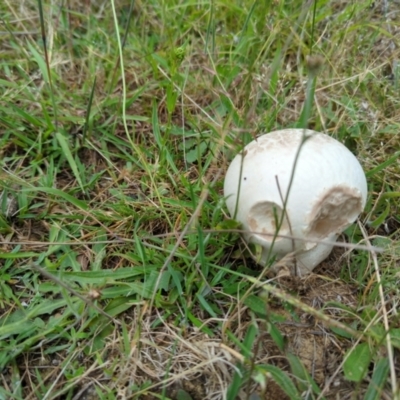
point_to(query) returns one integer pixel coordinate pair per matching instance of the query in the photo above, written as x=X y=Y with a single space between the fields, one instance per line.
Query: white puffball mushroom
x=327 y=194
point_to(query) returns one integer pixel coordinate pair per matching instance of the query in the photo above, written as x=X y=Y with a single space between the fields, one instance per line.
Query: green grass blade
x=61 y=194
x=378 y=380
x=305 y=381
x=40 y=62
x=357 y=361
x=87 y=126
x=283 y=380
x=62 y=140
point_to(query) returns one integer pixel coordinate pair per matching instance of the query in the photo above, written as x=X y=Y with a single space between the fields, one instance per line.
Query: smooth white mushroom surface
x=327 y=193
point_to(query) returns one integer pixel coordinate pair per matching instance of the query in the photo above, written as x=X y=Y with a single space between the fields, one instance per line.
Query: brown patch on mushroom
x=335 y=209
x=264 y=218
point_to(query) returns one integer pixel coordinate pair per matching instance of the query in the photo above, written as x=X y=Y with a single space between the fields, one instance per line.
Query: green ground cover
x=121 y=275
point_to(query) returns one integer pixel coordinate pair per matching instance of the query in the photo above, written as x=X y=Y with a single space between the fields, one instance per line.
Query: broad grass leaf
x=183 y=395
x=118 y=305
x=228 y=224
x=248 y=341
x=56 y=192
x=391 y=160
x=305 y=381
x=357 y=362
x=24 y=116
x=196 y=153
x=234 y=387
x=378 y=380
x=207 y=307
x=62 y=140
x=24 y=254
x=127 y=289
x=156 y=126
x=40 y=62
x=377 y=222
x=199 y=324
x=177 y=278
x=395 y=335
x=256 y=304
x=46 y=307
x=15 y=328
x=277 y=336
x=341 y=332
x=105 y=275
x=283 y=380
x=20 y=322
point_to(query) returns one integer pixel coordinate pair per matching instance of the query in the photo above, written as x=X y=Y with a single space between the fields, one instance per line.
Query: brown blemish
x=264 y=217
x=334 y=211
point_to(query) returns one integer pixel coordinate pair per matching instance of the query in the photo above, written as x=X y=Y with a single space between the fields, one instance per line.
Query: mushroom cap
x=327 y=193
